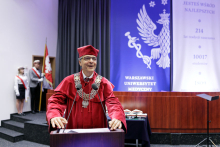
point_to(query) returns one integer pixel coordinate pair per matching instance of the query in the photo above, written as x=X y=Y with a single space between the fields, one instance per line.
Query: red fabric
x=22 y=82
x=47 y=68
x=87 y=50
x=36 y=73
x=90 y=117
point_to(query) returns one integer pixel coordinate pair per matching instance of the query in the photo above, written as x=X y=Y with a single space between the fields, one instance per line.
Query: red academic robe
x=90 y=117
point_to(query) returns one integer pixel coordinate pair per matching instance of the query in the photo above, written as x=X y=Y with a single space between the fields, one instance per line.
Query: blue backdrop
x=140 y=58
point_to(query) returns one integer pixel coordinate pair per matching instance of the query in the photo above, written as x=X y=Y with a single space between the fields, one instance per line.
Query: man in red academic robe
x=87 y=110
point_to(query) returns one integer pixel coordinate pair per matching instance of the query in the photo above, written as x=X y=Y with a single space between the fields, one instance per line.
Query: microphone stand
x=71 y=110
x=103 y=110
x=95 y=87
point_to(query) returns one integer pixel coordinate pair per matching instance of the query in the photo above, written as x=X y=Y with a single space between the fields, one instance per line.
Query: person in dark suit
x=36 y=77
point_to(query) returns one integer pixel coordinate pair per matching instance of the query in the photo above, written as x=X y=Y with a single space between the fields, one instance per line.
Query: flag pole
x=43 y=73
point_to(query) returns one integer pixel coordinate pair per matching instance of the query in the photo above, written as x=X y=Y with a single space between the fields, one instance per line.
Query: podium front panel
x=95 y=139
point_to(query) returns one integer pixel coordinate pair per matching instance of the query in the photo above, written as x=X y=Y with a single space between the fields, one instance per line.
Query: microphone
x=78 y=87
x=95 y=87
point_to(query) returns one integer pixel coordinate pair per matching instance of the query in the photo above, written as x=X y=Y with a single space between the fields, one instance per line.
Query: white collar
x=84 y=76
x=20 y=75
x=36 y=70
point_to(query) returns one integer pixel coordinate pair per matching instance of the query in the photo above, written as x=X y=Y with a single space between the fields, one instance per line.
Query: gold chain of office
x=85 y=96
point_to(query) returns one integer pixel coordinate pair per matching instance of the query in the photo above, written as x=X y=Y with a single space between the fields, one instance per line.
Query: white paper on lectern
x=86 y=130
x=205 y=96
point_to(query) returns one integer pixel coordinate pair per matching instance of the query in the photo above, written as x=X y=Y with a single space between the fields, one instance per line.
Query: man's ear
x=80 y=63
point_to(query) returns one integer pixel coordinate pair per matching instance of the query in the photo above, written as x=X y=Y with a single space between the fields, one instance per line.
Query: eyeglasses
x=87 y=58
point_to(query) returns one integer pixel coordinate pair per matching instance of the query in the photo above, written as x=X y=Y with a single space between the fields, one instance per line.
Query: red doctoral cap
x=87 y=50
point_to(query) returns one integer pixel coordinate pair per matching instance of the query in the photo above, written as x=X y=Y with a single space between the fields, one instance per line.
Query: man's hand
x=115 y=123
x=40 y=80
x=42 y=75
x=58 y=121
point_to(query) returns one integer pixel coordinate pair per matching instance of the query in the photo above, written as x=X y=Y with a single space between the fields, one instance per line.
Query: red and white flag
x=47 y=68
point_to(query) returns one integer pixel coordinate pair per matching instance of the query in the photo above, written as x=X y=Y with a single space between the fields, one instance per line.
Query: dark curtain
x=82 y=22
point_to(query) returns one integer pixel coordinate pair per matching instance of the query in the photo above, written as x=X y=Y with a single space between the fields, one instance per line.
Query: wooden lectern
x=87 y=138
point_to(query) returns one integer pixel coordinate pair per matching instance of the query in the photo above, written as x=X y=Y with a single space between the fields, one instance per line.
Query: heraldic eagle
x=146 y=29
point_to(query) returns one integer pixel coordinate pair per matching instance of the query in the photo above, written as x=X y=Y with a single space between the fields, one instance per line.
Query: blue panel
x=140 y=58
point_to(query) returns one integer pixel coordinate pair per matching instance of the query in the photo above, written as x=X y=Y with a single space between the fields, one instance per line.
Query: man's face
x=88 y=63
x=37 y=65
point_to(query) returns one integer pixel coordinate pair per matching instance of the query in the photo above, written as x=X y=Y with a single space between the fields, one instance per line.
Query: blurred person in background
x=36 y=77
x=21 y=88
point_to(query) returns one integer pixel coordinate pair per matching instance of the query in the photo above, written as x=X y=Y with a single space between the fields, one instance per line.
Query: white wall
x=24 y=26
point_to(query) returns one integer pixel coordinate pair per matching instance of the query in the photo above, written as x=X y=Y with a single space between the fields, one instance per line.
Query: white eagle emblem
x=146 y=29
x=48 y=68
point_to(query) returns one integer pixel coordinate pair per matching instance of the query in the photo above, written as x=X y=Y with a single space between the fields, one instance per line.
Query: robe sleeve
x=115 y=109
x=55 y=108
x=57 y=103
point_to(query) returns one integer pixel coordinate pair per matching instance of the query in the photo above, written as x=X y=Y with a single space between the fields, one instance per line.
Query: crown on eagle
x=164 y=15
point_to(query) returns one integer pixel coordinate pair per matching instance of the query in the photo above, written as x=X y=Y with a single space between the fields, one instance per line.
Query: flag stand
x=42 y=81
